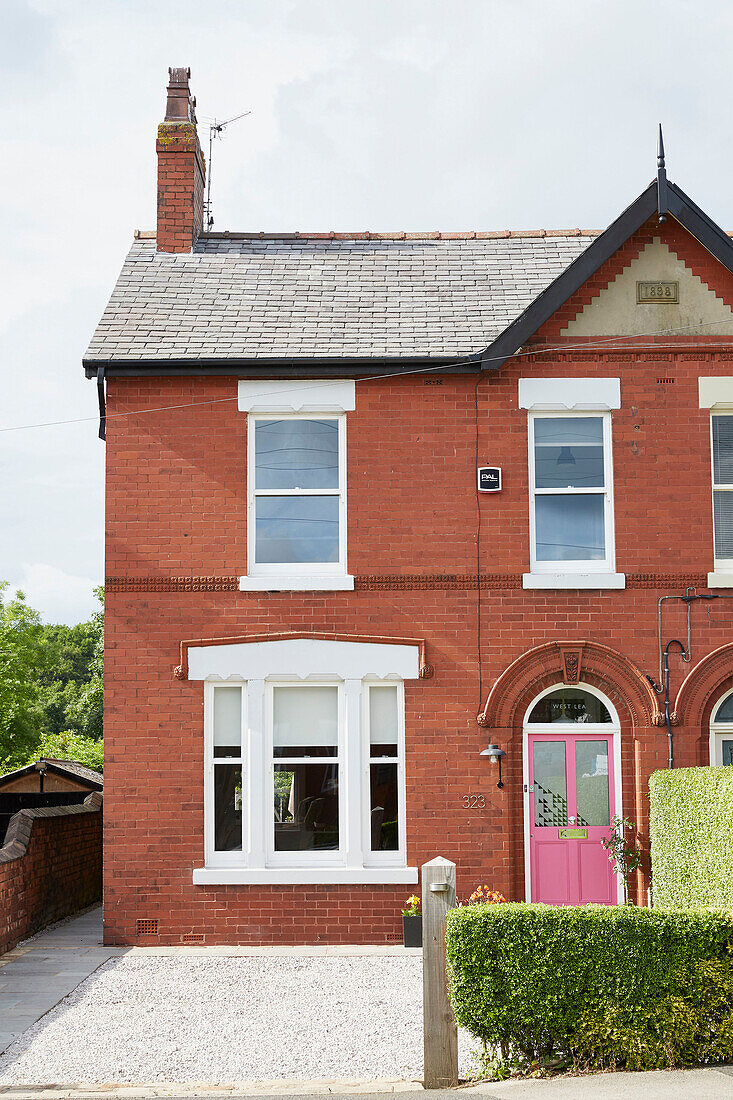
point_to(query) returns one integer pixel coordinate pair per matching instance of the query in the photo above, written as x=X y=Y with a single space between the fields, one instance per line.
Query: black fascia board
x=572 y=278
x=283 y=368
x=702 y=228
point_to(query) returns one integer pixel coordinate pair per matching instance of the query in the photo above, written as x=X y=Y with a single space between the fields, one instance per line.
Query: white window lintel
x=317 y=395
x=715 y=392
x=308 y=657
x=563 y=394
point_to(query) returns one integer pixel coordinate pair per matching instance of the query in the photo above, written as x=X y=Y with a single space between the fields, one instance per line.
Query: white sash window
x=305 y=761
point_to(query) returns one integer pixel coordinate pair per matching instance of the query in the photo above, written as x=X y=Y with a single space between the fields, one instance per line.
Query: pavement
x=40 y=972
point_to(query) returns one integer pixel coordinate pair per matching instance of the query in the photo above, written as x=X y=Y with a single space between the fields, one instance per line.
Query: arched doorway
x=572 y=785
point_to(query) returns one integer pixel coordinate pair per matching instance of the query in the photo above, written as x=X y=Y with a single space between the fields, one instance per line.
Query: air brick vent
x=147 y=927
x=394 y=937
x=666 y=381
x=192 y=937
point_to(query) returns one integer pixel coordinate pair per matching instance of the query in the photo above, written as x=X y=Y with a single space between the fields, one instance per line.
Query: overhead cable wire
x=607 y=343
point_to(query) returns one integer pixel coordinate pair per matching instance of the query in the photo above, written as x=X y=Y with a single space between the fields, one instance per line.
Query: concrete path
x=39 y=972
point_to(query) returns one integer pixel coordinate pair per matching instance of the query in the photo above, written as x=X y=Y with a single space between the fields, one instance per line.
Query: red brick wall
x=180 y=186
x=50 y=866
x=176 y=508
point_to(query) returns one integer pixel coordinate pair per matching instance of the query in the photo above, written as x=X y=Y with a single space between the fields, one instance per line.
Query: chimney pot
x=179 y=106
x=181 y=169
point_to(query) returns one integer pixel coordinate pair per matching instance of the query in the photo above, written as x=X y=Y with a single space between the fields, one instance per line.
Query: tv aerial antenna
x=216 y=129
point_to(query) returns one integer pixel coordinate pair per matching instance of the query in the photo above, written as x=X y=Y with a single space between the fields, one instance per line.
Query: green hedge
x=691 y=830
x=602 y=986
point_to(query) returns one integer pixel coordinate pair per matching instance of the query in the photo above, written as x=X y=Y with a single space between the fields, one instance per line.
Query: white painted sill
x=720 y=580
x=573 y=580
x=336 y=582
x=303 y=876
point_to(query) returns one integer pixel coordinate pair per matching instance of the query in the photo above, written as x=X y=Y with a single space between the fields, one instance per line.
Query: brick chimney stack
x=181 y=169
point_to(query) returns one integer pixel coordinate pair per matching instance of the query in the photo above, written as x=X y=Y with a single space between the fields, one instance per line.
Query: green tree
x=74 y=676
x=20 y=648
x=51 y=686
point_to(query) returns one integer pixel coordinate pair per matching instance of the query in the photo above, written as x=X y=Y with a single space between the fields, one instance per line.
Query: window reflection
x=306 y=807
x=294 y=529
x=228 y=807
x=591 y=782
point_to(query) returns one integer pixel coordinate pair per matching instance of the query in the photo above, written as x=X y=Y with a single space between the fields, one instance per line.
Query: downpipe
x=665 y=688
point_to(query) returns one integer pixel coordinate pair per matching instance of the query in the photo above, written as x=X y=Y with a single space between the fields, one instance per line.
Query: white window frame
x=223 y=858
x=384 y=859
x=578 y=573
x=720 y=565
x=719 y=732
x=258 y=862
x=305 y=858
x=293 y=576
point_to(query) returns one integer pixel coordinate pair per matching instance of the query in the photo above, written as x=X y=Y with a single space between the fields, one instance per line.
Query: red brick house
x=310 y=600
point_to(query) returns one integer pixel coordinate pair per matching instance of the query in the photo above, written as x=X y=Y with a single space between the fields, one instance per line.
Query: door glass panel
x=591 y=782
x=550 y=784
x=727 y=747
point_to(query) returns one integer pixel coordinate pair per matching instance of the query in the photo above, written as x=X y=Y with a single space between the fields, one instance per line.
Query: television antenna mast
x=216 y=129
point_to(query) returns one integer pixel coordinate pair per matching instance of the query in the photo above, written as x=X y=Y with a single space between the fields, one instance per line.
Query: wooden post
x=440 y=1036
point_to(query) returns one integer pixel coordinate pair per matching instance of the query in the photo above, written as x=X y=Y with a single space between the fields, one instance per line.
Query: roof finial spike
x=661 y=180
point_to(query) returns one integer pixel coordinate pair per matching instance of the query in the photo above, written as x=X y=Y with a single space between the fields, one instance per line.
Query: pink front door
x=571 y=803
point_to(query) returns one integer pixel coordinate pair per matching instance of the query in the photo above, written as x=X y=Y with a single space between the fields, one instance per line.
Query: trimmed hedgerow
x=691 y=830
x=601 y=986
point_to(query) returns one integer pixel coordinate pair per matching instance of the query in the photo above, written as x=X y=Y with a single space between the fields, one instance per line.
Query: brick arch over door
x=703 y=686
x=570 y=663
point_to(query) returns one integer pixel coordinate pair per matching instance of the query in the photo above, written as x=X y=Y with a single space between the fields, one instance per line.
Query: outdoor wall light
x=495 y=754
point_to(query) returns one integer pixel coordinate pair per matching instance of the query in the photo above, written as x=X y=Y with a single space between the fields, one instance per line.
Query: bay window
x=305 y=774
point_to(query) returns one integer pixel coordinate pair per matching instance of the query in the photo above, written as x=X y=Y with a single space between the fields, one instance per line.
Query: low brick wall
x=50 y=866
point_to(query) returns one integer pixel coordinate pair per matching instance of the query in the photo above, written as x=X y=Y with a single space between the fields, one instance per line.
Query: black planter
x=412 y=931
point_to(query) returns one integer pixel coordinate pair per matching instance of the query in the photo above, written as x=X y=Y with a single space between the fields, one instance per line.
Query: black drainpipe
x=102 y=406
x=665 y=689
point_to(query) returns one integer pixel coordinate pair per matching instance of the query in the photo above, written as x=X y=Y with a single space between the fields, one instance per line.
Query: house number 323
x=474 y=802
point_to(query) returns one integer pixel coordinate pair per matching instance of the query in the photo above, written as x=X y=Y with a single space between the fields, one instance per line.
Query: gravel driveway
x=230 y=1019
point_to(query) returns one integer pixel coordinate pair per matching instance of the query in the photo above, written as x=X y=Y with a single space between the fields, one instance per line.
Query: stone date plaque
x=655 y=292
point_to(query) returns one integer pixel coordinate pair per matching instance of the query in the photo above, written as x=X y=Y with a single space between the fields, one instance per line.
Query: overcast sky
x=366 y=114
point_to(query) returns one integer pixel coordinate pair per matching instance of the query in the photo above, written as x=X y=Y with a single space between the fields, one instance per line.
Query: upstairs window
x=722 y=428
x=571 y=508
x=297 y=497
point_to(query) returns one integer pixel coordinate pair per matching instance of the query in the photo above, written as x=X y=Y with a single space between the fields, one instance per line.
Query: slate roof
x=70 y=767
x=252 y=297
